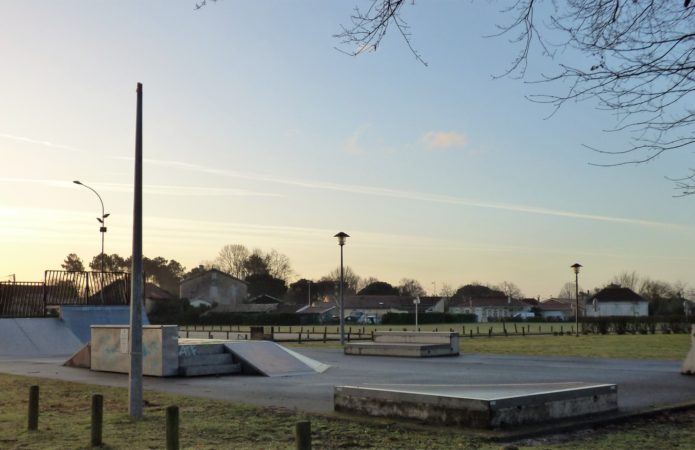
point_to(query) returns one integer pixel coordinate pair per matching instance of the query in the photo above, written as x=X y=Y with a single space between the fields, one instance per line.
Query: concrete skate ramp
x=273 y=360
x=36 y=337
x=79 y=319
x=479 y=406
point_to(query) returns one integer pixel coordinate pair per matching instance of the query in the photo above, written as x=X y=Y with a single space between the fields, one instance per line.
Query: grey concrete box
x=407 y=344
x=478 y=406
x=111 y=349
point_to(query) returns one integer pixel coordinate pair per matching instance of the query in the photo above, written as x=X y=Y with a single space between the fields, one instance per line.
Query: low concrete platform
x=479 y=406
x=407 y=344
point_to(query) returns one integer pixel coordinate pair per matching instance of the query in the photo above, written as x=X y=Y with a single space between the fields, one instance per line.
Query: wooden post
x=515 y=330
x=172 y=429
x=471 y=331
x=302 y=435
x=97 y=419
x=33 y=408
x=324 y=335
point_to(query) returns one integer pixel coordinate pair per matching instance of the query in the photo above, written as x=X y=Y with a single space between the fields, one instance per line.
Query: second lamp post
x=102 y=221
x=576 y=267
x=342 y=237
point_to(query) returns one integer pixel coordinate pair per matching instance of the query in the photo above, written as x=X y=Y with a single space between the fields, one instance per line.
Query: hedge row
x=636 y=325
x=428 y=318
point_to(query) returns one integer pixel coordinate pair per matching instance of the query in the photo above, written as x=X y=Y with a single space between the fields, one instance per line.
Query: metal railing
x=22 y=299
x=34 y=299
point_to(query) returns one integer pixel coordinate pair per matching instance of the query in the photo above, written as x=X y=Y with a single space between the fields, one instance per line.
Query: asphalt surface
x=642 y=384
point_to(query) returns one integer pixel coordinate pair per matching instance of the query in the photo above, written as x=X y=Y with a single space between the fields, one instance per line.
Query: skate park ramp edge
x=36 y=337
x=273 y=360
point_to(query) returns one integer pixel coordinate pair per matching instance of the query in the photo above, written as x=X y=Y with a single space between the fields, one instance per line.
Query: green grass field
x=208 y=424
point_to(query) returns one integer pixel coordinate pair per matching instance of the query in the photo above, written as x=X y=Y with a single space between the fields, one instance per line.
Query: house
x=375 y=306
x=318 y=313
x=214 y=287
x=155 y=296
x=557 y=309
x=617 y=301
x=488 y=309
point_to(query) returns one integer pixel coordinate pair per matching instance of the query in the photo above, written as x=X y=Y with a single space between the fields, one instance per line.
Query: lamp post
x=342 y=237
x=102 y=221
x=576 y=267
x=416 y=302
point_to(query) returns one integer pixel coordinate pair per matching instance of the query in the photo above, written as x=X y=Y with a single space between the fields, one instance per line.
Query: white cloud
x=415 y=196
x=441 y=140
x=352 y=145
x=152 y=189
x=46 y=144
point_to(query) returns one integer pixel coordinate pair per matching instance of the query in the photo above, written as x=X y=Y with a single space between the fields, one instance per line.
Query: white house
x=617 y=301
x=488 y=309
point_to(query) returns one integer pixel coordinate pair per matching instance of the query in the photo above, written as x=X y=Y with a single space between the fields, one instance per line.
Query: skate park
x=318 y=379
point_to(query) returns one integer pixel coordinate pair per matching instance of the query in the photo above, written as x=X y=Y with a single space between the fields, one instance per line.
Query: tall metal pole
x=342 y=303
x=136 y=284
x=576 y=302
x=576 y=267
x=341 y=241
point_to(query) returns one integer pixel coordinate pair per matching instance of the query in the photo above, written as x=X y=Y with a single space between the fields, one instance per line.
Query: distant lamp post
x=576 y=267
x=416 y=302
x=102 y=221
x=342 y=237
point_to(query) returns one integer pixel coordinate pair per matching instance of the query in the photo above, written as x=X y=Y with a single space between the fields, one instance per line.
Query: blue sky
x=257 y=131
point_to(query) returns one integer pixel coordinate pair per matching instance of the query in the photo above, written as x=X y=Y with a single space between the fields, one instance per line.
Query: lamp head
x=77 y=182
x=341 y=238
x=576 y=267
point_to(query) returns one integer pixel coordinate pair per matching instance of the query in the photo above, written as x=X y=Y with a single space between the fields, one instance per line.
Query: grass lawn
x=626 y=346
x=209 y=424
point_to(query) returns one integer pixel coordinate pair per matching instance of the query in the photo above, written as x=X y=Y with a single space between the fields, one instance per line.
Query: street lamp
x=416 y=302
x=102 y=221
x=341 y=241
x=576 y=267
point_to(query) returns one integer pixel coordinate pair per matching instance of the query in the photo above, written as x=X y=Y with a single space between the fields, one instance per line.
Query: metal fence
x=34 y=299
x=22 y=299
x=87 y=288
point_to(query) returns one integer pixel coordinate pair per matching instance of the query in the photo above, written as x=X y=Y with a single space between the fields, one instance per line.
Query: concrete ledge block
x=478 y=406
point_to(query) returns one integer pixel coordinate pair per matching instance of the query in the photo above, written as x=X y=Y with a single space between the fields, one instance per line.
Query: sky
x=257 y=131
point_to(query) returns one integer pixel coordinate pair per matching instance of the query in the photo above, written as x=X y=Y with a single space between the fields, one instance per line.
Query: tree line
x=271 y=273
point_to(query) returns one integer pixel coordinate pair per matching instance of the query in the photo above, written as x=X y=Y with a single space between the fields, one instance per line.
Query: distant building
x=617 y=301
x=488 y=309
x=214 y=287
x=558 y=309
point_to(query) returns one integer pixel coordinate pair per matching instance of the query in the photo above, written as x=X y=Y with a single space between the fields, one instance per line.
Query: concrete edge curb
x=595 y=422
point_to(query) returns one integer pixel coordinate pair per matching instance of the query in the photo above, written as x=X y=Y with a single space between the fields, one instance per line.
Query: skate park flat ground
x=642 y=384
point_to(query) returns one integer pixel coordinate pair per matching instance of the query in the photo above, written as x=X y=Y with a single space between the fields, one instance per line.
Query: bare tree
x=567 y=291
x=231 y=259
x=510 y=289
x=628 y=280
x=352 y=280
x=635 y=59
x=411 y=288
x=364 y=282
x=446 y=290
x=279 y=265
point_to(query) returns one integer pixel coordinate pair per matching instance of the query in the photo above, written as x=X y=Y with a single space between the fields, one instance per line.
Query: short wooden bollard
x=97 y=419
x=33 y=408
x=172 y=428
x=302 y=435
